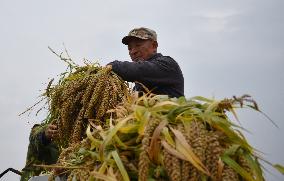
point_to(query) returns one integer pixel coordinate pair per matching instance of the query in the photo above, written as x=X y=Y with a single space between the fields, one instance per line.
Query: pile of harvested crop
x=106 y=133
x=156 y=138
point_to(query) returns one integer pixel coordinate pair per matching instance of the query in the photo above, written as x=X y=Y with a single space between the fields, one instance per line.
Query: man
x=41 y=150
x=160 y=74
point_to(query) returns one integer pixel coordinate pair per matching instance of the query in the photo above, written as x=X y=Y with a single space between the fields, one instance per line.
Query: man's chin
x=137 y=59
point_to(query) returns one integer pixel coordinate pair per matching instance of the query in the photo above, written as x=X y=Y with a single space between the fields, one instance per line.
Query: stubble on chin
x=137 y=59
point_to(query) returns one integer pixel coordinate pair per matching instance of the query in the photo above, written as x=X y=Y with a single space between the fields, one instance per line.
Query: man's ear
x=155 y=44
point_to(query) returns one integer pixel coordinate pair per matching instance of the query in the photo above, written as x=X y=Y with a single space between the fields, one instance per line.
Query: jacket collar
x=156 y=55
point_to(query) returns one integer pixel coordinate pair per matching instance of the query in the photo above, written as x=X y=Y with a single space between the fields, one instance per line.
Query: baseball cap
x=142 y=33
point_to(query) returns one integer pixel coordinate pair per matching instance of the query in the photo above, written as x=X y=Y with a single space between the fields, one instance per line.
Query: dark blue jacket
x=160 y=74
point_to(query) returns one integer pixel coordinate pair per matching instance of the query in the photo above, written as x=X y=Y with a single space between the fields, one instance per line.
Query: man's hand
x=109 y=66
x=51 y=132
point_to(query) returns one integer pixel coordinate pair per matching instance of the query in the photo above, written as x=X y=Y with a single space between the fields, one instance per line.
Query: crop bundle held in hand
x=81 y=98
x=154 y=137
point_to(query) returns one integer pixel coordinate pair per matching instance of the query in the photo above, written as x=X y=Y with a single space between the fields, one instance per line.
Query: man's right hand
x=109 y=66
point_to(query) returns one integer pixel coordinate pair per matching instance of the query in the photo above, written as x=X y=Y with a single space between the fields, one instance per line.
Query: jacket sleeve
x=162 y=71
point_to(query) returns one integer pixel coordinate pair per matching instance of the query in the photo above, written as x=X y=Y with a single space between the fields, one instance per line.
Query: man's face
x=141 y=49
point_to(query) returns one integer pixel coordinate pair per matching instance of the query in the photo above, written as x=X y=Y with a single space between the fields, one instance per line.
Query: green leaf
x=165 y=104
x=120 y=166
x=232 y=150
x=176 y=111
x=103 y=168
x=94 y=142
x=104 y=164
x=181 y=100
x=168 y=137
x=129 y=128
x=280 y=168
x=234 y=165
x=183 y=147
x=254 y=165
x=203 y=99
x=143 y=116
x=120 y=143
x=212 y=107
x=110 y=135
x=224 y=126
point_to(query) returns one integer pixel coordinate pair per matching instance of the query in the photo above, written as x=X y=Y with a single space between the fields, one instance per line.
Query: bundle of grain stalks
x=154 y=137
x=82 y=98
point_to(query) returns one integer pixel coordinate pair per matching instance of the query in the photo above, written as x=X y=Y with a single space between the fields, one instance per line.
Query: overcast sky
x=224 y=48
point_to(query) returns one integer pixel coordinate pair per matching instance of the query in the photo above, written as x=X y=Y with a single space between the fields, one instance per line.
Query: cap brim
x=126 y=39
